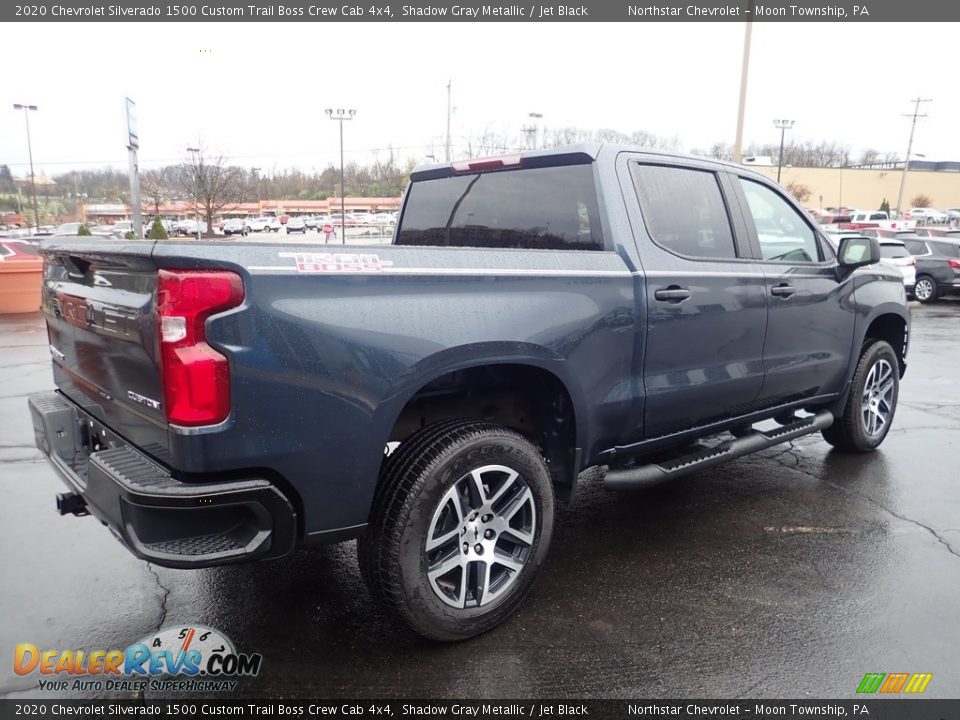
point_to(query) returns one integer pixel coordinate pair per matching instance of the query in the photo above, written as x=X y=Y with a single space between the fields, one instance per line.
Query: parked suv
x=534 y=316
x=938 y=267
x=263 y=224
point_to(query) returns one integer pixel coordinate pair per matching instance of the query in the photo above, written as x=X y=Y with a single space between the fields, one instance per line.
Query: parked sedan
x=233 y=226
x=189 y=227
x=296 y=225
x=938 y=267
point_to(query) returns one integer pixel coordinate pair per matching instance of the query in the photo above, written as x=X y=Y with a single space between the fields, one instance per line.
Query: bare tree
x=156 y=187
x=921 y=201
x=214 y=185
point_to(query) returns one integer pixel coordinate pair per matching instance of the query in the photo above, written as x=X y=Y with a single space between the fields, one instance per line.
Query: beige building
x=866 y=189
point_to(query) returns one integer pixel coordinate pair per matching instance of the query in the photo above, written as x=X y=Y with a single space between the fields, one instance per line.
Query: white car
x=296 y=224
x=264 y=224
x=929 y=215
x=893 y=253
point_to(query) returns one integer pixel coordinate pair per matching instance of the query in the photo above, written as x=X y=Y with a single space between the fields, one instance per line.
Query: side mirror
x=856 y=252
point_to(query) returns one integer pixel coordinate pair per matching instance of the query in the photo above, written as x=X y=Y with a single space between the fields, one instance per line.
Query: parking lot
x=786 y=574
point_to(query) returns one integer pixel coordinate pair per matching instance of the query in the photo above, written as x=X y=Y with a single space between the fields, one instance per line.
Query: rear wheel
x=926 y=289
x=461 y=523
x=868 y=413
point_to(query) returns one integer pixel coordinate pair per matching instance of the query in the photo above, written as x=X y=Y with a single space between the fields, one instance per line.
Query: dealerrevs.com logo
x=192 y=658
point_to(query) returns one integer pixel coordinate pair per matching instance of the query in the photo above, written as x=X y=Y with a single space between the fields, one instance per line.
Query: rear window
x=947 y=249
x=893 y=251
x=916 y=247
x=551 y=208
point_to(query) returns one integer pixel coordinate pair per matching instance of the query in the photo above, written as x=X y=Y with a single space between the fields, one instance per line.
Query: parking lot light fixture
x=27 y=109
x=340 y=115
x=194 y=152
x=783 y=126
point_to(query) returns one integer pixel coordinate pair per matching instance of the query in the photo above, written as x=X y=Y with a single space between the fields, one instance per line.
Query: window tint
x=540 y=208
x=878 y=216
x=916 y=247
x=782 y=233
x=684 y=211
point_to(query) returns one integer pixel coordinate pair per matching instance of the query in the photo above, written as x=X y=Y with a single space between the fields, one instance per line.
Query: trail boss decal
x=336 y=262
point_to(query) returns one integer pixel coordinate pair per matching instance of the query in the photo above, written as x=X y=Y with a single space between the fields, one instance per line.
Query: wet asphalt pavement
x=785 y=574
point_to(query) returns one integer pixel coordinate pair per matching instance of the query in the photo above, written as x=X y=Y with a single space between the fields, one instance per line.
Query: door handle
x=783 y=291
x=672 y=294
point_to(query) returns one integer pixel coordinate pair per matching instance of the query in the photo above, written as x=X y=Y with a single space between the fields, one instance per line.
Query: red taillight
x=196 y=378
x=954 y=263
x=489 y=163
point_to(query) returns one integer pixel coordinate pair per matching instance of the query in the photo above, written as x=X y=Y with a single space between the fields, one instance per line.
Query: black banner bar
x=323 y=11
x=872 y=709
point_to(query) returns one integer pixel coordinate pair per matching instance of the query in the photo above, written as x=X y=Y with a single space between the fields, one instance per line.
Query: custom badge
x=310 y=262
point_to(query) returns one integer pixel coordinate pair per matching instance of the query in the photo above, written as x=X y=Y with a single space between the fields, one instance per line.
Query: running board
x=753 y=442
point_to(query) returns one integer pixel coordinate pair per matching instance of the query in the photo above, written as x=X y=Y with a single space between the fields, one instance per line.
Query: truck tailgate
x=99 y=303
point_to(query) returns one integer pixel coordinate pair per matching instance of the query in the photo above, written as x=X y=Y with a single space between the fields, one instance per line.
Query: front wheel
x=868 y=413
x=460 y=526
x=925 y=290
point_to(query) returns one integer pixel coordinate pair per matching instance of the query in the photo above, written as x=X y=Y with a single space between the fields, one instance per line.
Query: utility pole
x=783 y=126
x=906 y=161
x=741 y=108
x=27 y=109
x=531 y=130
x=448 y=150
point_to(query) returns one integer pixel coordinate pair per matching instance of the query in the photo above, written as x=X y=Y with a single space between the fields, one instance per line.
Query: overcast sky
x=256 y=92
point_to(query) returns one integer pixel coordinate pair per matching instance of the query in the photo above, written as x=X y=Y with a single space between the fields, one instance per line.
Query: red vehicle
x=284 y=219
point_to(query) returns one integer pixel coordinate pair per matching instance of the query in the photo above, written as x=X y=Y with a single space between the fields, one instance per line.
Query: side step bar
x=638 y=475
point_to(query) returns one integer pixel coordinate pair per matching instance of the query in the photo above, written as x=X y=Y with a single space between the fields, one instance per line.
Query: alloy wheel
x=876 y=405
x=480 y=536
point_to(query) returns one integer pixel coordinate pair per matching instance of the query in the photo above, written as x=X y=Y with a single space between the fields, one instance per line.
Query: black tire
x=849 y=432
x=416 y=486
x=926 y=290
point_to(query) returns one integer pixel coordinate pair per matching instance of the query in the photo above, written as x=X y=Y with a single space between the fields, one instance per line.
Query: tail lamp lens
x=196 y=378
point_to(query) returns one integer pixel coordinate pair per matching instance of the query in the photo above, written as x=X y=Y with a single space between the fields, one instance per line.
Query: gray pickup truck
x=534 y=316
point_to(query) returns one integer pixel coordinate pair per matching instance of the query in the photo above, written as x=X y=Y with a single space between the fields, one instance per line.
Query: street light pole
x=340 y=115
x=194 y=152
x=27 y=109
x=783 y=125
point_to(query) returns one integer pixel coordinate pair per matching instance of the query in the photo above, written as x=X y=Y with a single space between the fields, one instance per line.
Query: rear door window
x=684 y=211
x=916 y=247
x=549 y=208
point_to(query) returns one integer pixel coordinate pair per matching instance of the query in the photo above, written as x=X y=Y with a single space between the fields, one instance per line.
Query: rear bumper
x=157 y=517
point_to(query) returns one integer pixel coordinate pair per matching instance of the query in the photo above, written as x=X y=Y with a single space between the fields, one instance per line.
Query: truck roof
x=562 y=155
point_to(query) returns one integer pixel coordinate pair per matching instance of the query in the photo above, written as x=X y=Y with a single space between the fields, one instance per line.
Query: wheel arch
x=525 y=388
